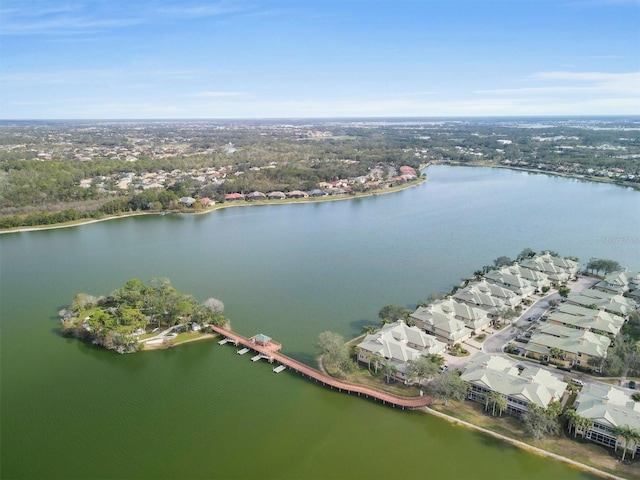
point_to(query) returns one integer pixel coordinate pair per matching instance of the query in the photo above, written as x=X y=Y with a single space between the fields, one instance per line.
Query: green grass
x=564 y=444
x=186 y=336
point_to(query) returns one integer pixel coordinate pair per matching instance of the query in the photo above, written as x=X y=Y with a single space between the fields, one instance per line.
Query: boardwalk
x=271 y=351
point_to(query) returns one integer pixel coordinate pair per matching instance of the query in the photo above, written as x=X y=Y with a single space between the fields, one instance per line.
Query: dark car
x=632 y=385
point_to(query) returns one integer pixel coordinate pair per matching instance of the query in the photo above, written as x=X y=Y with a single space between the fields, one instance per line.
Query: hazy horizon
x=265 y=59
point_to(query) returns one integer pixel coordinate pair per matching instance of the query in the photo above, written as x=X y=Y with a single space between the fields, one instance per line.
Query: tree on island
x=115 y=322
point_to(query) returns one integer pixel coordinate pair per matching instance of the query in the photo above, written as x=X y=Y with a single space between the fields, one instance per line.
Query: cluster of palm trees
x=630 y=435
x=498 y=402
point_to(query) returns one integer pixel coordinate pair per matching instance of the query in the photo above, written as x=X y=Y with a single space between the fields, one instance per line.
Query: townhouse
x=520 y=387
x=398 y=343
x=566 y=346
x=607 y=407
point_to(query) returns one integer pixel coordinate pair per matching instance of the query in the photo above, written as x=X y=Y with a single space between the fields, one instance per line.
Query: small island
x=139 y=316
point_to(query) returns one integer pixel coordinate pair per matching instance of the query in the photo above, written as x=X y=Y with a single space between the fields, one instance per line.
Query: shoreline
x=77 y=223
x=429 y=410
x=523 y=445
x=419 y=181
x=575 y=176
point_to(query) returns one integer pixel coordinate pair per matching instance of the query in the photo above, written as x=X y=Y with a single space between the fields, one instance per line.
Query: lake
x=290 y=271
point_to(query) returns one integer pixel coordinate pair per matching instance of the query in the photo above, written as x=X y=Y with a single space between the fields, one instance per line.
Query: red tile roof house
x=230 y=197
x=256 y=196
x=406 y=170
x=206 y=202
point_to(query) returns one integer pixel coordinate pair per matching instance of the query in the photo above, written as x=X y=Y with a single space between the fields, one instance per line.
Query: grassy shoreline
x=579 y=453
x=219 y=206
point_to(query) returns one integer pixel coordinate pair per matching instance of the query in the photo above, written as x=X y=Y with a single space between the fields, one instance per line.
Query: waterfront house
x=444 y=326
x=538 y=279
x=297 y=194
x=187 y=201
x=398 y=343
x=475 y=319
x=230 y=197
x=511 y=281
x=487 y=296
x=206 y=202
x=612 y=303
x=558 y=270
x=520 y=387
x=256 y=196
x=619 y=282
x=597 y=321
x=276 y=195
x=607 y=407
x=566 y=346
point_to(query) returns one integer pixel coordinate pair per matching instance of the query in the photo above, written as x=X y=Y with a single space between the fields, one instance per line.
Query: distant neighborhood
x=538 y=341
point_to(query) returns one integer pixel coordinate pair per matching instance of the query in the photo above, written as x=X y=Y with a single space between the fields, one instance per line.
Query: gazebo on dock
x=265 y=342
x=261 y=339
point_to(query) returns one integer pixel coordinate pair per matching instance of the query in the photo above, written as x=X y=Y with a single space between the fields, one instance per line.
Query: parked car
x=577 y=382
x=444 y=368
x=632 y=385
x=520 y=366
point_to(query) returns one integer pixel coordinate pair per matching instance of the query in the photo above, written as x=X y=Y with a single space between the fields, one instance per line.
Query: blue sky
x=317 y=58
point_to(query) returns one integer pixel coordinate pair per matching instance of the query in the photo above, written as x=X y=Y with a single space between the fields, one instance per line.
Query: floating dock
x=223 y=341
x=280 y=368
x=259 y=357
x=243 y=351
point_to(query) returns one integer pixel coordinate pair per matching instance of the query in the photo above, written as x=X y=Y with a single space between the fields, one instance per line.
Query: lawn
x=564 y=444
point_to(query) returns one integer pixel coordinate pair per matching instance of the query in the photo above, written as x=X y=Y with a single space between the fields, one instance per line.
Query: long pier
x=271 y=350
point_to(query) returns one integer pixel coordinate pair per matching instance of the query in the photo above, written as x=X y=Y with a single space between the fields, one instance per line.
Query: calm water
x=291 y=271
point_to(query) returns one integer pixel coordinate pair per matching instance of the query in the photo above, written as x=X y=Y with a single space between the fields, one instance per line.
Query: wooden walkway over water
x=271 y=350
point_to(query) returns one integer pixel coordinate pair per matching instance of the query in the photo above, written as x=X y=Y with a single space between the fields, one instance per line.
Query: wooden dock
x=271 y=351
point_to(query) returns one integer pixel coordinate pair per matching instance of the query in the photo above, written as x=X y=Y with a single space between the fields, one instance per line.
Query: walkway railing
x=341 y=385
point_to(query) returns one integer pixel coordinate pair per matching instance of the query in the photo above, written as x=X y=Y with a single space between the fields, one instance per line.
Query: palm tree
x=628 y=434
x=389 y=370
x=377 y=361
x=584 y=424
x=368 y=329
x=572 y=420
x=367 y=355
x=498 y=401
x=501 y=403
x=577 y=422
